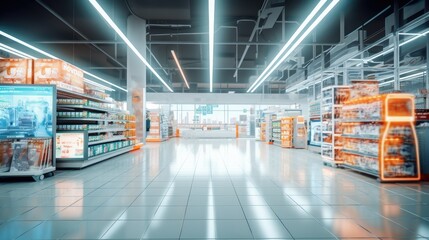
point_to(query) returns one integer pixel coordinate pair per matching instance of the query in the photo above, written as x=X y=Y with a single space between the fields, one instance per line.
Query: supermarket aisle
x=231 y=189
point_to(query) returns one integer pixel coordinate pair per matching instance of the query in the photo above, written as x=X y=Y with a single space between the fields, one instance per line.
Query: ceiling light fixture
x=419 y=74
x=53 y=57
x=416 y=36
x=180 y=68
x=14 y=51
x=106 y=17
x=281 y=56
x=211 y=40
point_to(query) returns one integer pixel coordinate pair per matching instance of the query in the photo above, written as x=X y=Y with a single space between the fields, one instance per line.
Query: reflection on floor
x=198 y=189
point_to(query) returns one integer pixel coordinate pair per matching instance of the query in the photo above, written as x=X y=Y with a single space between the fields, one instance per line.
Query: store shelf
x=68 y=106
x=112 y=139
x=369 y=137
x=81 y=119
x=108 y=130
x=68 y=94
x=360 y=153
x=68 y=163
x=361 y=120
x=359 y=169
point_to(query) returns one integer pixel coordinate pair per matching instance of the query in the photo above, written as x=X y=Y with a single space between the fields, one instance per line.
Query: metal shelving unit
x=75 y=150
x=332 y=99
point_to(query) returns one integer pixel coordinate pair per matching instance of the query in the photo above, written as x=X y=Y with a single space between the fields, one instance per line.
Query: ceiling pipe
x=252 y=35
x=78 y=32
x=169 y=25
x=181 y=43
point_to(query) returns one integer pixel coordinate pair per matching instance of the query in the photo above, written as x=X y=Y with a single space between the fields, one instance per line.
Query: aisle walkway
x=197 y=189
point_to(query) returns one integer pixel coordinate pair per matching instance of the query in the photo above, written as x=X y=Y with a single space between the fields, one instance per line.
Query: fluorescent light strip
x=98 y=85
x=400 y=45
x=402 y=73
x=291 y=40
x=403 y=78
x=211 y=40
x=180 y=68
x=297 y=42
x=53 y=57
x=12 y=52
x=27 y=45
x=126 y=40
x=15 y=51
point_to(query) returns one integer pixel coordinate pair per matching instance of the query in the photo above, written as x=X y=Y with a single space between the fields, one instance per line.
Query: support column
x=427 y=72
x=396 y=49
x=396 y=85
x=136 y=75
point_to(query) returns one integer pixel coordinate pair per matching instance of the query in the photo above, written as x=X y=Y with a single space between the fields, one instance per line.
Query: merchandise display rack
x=387 y=146
x=287 y=131
x=299 y=139
x=332 y=99
x=102 y=133
x=28 y=155
x=263 y=132
x=315 y=133
x=158 y=131
x=276 y=132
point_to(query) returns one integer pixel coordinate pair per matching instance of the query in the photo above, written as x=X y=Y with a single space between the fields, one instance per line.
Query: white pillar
x=136 y=74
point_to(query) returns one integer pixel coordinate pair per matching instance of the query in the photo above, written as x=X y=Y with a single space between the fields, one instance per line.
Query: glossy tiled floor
x=220 y=189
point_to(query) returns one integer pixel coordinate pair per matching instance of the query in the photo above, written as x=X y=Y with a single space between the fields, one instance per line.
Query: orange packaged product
x=16 y=71
x=60 y=73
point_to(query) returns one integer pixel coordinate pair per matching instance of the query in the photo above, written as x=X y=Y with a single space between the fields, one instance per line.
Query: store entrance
x=207 y=121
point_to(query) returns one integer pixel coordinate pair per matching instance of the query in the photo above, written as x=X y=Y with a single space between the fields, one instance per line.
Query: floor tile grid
x=241 y=206
x=152 y=181
x=235 y=191
x=383 y=188
x=298 y=204
x=377 y=185
x=40 y=222
x=189 y=195
x=390 y=190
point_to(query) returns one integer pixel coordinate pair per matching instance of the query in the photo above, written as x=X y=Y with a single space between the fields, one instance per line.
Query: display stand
x=276 y=132
x=332 y=99
x=299 y=132
x=89 y=131
x=263 y=132
x=380 y=137
x=286 y=131
x=158 y=131
x=315 y=131
x=27 y=120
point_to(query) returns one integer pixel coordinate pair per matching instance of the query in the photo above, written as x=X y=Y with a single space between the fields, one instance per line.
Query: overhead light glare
x=50 y=56
x=283 y=56
x=180 y=68
x=14 y=51
x=106 y=17
x=288 y=43
x=211 y=40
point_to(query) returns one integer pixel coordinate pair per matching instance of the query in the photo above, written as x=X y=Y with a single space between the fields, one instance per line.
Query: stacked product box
x=82 y=114
x=108 y=147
